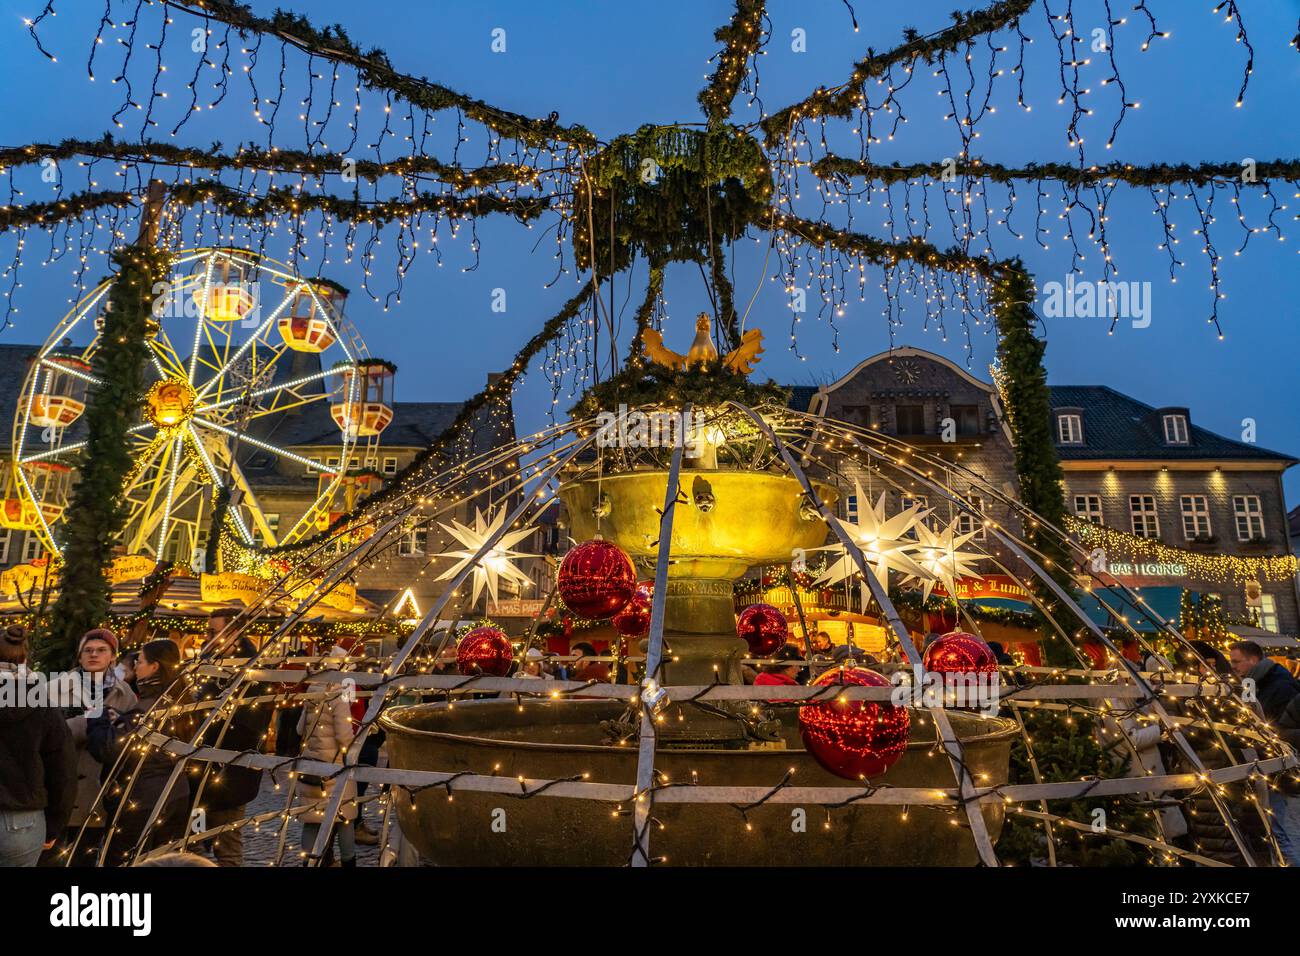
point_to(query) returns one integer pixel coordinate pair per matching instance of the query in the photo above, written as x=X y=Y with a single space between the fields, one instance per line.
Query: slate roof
x=1116 y=426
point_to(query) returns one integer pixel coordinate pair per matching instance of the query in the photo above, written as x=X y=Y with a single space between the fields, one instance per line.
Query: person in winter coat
x=224 y=792
x=110 y=735
x=95 y=655
x=326 y=729
x=1274 y=687
x=782 y=674
x=37 y=782
x=1275 y=690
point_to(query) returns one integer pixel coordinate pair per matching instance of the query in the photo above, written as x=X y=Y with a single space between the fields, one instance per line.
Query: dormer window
x=1175 y=429
x=1069 y=428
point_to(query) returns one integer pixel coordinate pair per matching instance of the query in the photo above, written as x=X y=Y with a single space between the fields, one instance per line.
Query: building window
x=332 y=464
x=851 y=507
x=272 y=522
x=5 y=536
x=1142 y=511
x=390 y=466
x=967 y=419
x=919 y=500
x=1196 y=517
x=1069 y=429
x=315 y=467
x=412 y=543
x=1088 y=507
x=1175 y=429
x=32 y=547
x=968 y=523
x=1250 y=517
x=910 y=419
x=1268 y=613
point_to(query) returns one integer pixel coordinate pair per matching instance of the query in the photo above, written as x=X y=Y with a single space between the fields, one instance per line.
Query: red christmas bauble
x=484 y=650
x=854 y=738
x=960 y=653
x=763 y=628
x=596 y=579
x=634 y=620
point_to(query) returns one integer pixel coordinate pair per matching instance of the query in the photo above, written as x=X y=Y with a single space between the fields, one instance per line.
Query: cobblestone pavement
x=261 y=843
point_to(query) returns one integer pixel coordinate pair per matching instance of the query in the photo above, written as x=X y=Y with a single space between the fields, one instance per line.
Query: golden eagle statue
x=702 y=353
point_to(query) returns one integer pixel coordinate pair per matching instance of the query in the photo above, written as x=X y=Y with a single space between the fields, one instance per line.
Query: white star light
x=496 y=563
x=938 y=552
x=882 y=540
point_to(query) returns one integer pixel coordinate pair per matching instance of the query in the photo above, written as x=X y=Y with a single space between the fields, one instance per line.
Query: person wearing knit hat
x=98 y=634
x=95 y=655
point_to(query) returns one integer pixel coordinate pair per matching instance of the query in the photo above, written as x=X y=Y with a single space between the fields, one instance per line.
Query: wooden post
x=151 y=213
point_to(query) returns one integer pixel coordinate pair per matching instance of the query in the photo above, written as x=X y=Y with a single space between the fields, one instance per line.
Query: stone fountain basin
x=557 y=739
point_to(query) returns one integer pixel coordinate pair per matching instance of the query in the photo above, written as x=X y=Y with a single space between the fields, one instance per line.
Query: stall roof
x=1164 y=601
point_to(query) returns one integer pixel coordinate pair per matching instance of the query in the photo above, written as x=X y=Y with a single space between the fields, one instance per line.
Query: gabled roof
x=1116 y=426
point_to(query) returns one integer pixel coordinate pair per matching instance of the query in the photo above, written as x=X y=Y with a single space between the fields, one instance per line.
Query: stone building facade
x=1154 y=473
x=927 y=401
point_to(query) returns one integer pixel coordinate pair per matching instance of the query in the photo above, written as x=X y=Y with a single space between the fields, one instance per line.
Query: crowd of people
x=71 y=791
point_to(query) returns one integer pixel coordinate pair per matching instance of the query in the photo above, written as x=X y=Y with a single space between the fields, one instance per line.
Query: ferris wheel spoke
x=74 y=373
x=161 y=345
x=171 y=494
x=221 y=373
x=282 y=387
x=203 y=310
x=258 y=443
x=65 y=330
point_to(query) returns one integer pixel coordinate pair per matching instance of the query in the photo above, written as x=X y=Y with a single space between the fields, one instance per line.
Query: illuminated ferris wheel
x=235 y=340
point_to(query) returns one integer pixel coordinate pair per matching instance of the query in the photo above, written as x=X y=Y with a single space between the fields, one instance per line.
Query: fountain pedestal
x=725 y=522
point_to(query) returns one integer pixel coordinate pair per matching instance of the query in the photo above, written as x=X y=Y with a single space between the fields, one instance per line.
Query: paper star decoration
x=938 y=552
x=883 y=541
x=496 y=563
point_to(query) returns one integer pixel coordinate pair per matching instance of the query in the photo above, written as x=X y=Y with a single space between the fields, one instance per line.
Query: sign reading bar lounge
x=1148 y=569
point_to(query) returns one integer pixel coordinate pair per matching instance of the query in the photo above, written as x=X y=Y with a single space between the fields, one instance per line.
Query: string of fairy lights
x=1121 y=545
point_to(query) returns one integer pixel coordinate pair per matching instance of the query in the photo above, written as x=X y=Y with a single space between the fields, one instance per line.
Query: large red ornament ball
x=958 y=652
x=484 y=650
x=763 y=628
x=854 y=738
x=596 y=579
x=634 y=620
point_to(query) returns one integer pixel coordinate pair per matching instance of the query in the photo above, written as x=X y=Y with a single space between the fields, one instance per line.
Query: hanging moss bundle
x=668 y=193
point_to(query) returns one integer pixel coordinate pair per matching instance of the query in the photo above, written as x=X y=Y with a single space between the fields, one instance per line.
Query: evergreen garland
x=1023 y=380
x=653 y=384
x=1160 y=174
x=376 y=71
x=843 y=100
x=98 y=510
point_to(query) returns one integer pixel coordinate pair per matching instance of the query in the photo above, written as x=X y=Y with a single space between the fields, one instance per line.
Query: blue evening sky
x=614 y=66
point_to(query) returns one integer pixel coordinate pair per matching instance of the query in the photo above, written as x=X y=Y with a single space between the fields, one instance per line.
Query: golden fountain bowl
x=725 y=523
